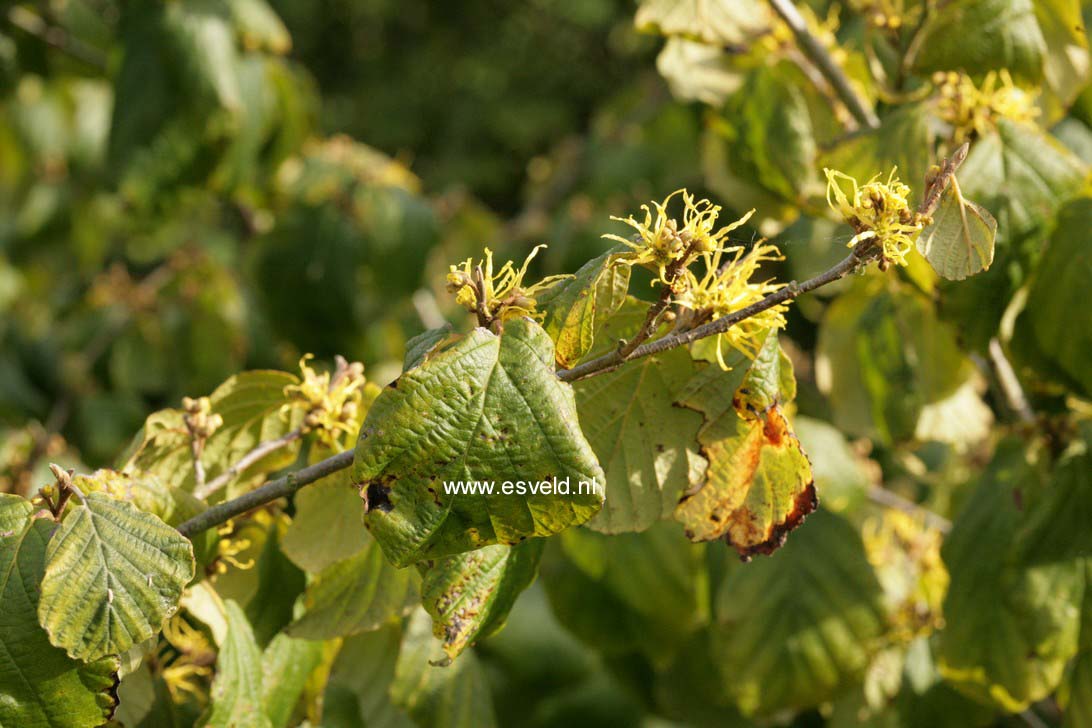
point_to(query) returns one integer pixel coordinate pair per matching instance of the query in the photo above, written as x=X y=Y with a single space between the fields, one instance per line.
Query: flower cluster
x=661 y=243
x=500 y=295
x=188 y=656
x=890 y=15
x=199 y=419
x=334 y=402
x=876 y=210
x=973 y=110
x=727 y=287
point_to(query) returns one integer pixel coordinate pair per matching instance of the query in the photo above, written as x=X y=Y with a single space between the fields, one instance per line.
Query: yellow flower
x=973 y=110
x=727 y=287
x=334 y=402
x=188 y=657
x=660 y=241
x=502 y=294
x=877 y=211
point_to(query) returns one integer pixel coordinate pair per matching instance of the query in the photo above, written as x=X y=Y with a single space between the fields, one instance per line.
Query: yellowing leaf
x=469 y=595
x=758 y=486
x=250 y=404
x=574 y=306
x=113 y=575
x=959 y=243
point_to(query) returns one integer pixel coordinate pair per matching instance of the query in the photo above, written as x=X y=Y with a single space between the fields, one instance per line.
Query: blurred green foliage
x=193 y=188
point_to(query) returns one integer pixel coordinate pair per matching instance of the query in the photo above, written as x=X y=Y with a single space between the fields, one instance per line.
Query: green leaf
x=113 y=575
x=40 y=686
x=327 y=526
x=487 y=408
x=646 y=444
x=883 y=356
x=698 y=72
x=842 y=477
x=794 y=630
x=1021 y=174
x=358 y=594
x=200 y=39
x=470 y=595
x=287 y=665
x=1075 y=692
x=1065 y=68
x=903 y=140
x=250 y=404
x=237 y=696
x=280 y=583
x=419 y=347
x=361 y=677
x=959 y=243
x=1055 y=326
x=575 y=306
x=259 y=26
x=769 y=134
x=456 y=696
x=982 y=35
x=1010 y=624
x=606 y=591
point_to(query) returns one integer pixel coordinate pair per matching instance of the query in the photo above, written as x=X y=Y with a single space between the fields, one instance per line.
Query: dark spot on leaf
x=805 y=502
x=378 y=498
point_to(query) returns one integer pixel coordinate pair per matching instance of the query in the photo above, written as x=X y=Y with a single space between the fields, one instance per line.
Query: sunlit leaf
x=959 y=243
x=250 y=404
x=113 y=575
x=40 y=686
x=758 y=485
x=646 y=445
x=576 y=306
x=488 y=407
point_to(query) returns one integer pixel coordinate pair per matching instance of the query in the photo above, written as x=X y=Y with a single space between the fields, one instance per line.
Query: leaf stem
x=271 y=491
x=245 y=462
x=810 y=45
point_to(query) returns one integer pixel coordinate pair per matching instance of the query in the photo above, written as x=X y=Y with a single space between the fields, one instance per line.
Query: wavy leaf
x=489 y=407
x=470 y=595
